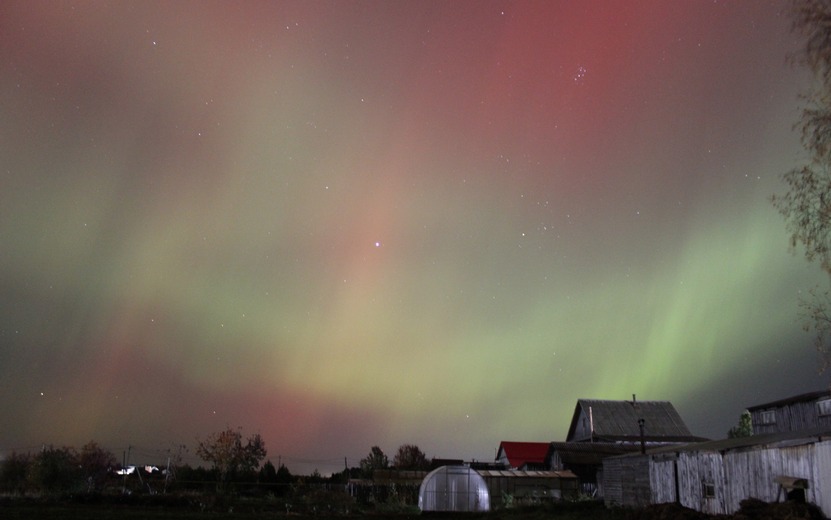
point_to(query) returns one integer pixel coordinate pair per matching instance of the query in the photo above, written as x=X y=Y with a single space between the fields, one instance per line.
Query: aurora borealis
x=358 y=223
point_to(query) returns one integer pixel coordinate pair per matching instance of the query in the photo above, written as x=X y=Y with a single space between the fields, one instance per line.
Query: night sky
x=356 y=223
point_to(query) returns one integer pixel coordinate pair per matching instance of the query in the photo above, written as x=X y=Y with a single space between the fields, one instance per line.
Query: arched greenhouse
x=453 y=488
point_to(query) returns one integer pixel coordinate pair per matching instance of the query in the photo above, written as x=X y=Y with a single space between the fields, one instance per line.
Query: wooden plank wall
x=640 y=481
x=820 y=491
x=791 y=418
x=662 y=481
x=695 y=469
x=633 y=481
x=751 y=473
x=612 y=482
x=742 y=474
x=736 y=474
x=798 y=416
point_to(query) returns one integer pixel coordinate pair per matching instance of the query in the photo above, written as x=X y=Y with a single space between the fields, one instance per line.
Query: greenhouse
x=453 y=488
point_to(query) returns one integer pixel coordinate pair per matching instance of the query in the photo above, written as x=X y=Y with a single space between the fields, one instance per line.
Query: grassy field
x=244 y=510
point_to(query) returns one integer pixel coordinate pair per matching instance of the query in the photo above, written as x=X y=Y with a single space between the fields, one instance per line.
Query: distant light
x=377 y=244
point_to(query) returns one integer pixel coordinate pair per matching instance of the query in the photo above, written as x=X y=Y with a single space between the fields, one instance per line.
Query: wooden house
x=714 y=477
x=798 y=413
x=603 y=428
x=652 y=423
x=522 y=455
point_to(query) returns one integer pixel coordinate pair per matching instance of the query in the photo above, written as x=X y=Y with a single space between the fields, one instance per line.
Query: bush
x=55 y=470
x=13 y=473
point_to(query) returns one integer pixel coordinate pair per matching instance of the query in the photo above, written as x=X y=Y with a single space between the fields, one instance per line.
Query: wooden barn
x=714 y=477
x=801 y=412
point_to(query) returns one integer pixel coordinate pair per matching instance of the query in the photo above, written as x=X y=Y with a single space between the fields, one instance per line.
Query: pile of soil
x=750 y=509
x=753 y=509
x=667 y=512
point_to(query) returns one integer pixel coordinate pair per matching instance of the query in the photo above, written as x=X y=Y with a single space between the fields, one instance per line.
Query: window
x=824 y=407
x=768 y=417
x=709 y=489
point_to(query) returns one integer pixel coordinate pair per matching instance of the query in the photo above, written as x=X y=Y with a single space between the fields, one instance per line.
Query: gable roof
x=521 y=453
x=618 y=421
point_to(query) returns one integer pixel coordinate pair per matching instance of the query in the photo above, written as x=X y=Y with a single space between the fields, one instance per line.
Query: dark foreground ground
x=13 y=509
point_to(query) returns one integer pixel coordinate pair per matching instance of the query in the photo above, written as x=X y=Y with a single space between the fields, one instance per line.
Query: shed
x=800 y=412
x=714 y=477
x=454 y=488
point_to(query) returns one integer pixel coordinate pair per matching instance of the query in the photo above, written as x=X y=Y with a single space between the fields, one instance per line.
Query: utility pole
x=126 y=459
x=167 y=473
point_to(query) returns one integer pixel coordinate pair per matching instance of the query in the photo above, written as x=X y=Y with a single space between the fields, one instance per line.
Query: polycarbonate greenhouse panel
x=453 y=488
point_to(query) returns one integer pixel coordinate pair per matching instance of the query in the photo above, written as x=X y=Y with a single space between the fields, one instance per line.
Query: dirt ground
x=172 y=510
x=751 y=509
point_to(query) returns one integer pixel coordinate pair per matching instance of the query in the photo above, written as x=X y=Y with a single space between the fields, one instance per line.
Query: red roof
x=521 y=453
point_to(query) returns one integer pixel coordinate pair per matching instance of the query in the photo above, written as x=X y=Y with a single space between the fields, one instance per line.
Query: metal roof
x=767 y=440
x=618 y=420
x=520 y=453
x=807 y=397
x=516 y=473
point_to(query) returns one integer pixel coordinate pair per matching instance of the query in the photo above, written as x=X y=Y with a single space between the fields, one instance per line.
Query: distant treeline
x=94 y=471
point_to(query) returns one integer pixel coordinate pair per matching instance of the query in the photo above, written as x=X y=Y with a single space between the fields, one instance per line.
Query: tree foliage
x=806 y=203
x=229 y=456
x=268 y=473
x=55 y=470
x=744 y=428
x=14 y=473
x=410 y=457
x=95 y=463
x=278 y=480
x=375 y=460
